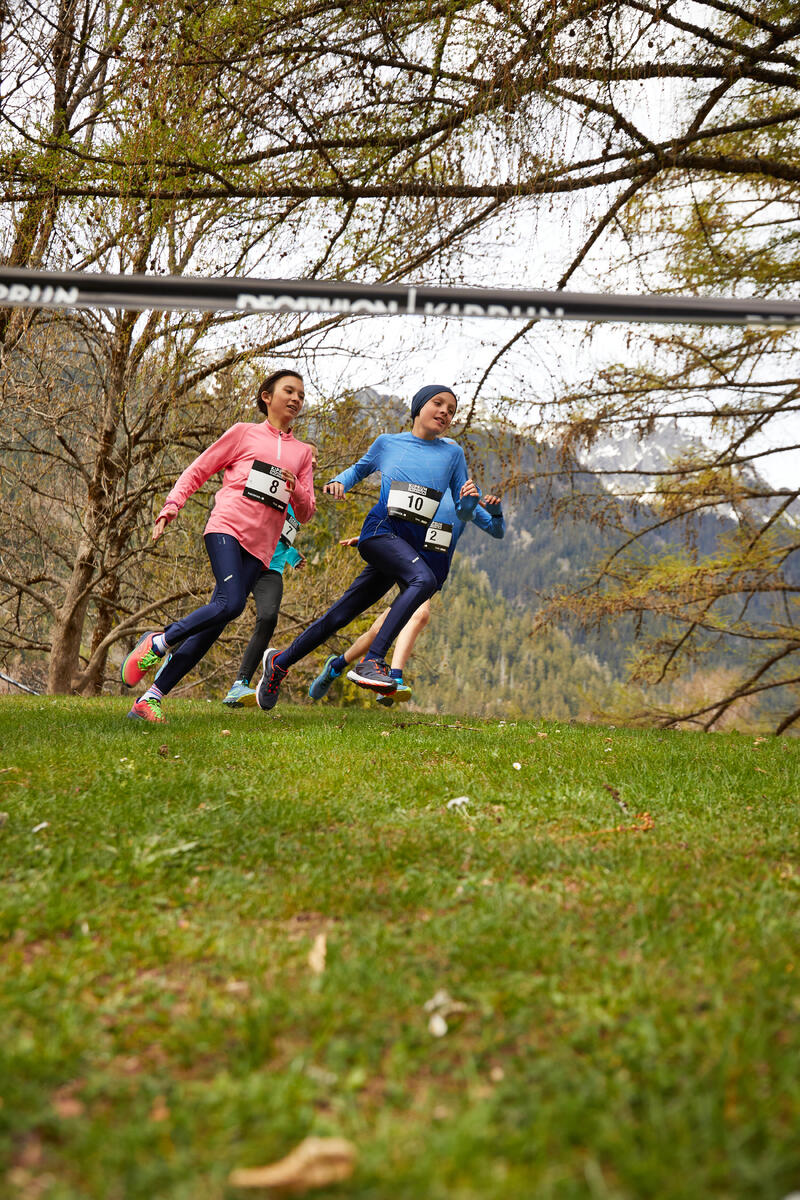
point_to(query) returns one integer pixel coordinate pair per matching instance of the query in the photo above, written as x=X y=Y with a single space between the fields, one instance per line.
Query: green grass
x=631 y=1009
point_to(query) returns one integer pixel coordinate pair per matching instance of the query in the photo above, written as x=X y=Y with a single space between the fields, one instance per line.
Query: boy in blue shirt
x=398 y=539
x=487 y=516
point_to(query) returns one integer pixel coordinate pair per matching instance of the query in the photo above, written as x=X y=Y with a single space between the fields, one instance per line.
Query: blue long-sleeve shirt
x=437 y=464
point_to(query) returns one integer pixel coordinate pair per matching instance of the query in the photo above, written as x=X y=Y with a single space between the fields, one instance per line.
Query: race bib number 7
x=266 y=484
x=413 y=502
x=290 y=528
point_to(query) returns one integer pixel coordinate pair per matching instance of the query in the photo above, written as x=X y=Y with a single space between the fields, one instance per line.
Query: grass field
x=625 y=1011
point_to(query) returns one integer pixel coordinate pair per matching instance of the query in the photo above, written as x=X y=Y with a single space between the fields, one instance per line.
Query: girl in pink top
x=265 y=467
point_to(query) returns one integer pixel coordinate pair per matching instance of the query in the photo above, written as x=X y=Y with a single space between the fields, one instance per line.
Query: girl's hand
x=290 y=480
x=299 y=565
x=469 y=489
x=353 y=541
x=159 y=527
x=335 y=489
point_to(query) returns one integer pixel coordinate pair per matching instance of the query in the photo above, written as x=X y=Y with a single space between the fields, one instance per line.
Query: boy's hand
x=491 y=501
x=353 y=541
x=469 y=489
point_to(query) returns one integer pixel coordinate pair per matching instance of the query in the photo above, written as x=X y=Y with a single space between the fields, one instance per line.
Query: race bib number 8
x=266 y=484
x=439 y=536
x=290 y=528
x=413 y=502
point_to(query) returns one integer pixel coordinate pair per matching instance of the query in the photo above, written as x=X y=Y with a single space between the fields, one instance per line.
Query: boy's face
x=436 y=415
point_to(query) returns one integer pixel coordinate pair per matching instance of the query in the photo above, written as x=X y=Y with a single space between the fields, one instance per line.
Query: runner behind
x=265 y=467
x=267 y=593
x=417 y=468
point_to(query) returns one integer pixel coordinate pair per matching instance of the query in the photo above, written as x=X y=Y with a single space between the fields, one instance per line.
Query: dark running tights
x=267 y=593
x=390 y=561
x=235 y=571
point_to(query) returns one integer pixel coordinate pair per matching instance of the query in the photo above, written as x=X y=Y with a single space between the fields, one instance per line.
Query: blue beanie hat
x=427 y=393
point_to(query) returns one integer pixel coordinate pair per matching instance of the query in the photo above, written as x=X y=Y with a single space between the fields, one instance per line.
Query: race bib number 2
x=413 y=502
x=439 y=536
x=266 y=484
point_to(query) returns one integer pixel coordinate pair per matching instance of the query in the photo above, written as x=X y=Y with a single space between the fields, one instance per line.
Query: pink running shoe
x=141 y=659
x=148 y=710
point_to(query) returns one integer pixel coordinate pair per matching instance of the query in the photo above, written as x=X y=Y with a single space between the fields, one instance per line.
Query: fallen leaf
x=458 y=802
x=224 y=733
x=159 y=1111
x=317 y=954
x=437 y=1025
x=237 y=987
x=42 y=825
x=315 y=1163
x=163 y=750
x=68 y=1106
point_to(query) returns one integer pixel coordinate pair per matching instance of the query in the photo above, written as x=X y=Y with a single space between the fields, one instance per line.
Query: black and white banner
x=72 y=289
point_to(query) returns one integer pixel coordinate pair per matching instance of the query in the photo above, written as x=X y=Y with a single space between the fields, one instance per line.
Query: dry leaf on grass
x=316 y=1162
x=317 y=953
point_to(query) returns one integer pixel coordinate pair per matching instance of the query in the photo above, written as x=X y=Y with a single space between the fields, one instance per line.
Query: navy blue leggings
x=236 y=571
x=390 y=561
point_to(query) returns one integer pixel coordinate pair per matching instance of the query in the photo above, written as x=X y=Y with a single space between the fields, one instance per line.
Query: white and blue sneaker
x=322 y=683
x=241 y=695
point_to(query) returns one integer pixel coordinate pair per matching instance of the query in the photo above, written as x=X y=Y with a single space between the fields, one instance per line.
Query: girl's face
x=285 y=403
x=436 y=415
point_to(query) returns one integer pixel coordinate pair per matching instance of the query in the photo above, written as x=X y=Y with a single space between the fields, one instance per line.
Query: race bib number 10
x=290 y=528
x=439 y=536
x=266 y=484
x=413 y=502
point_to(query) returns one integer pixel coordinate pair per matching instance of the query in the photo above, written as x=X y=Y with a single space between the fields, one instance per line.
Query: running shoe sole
x=248 y=701
x=386 y=687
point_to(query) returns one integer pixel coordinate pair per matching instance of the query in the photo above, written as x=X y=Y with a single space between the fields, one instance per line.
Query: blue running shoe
x=272 y=676
x=373 y=673
x=403 y=693
x=385 y=701
x=241 y=695
x=322 y=683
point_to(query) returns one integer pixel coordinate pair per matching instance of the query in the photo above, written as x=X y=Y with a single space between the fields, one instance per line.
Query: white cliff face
x=632 y=466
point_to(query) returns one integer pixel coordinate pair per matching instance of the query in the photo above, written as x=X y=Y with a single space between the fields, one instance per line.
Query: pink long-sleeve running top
x=254 y=524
